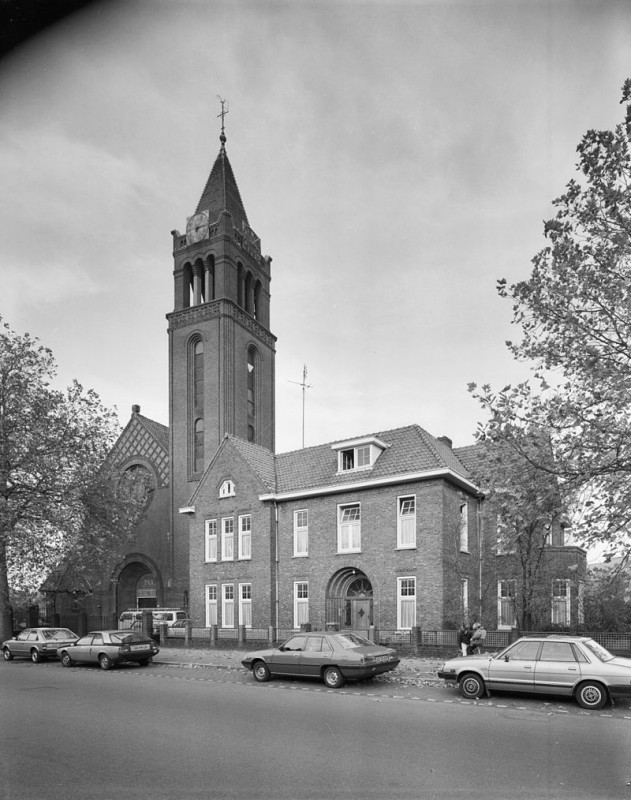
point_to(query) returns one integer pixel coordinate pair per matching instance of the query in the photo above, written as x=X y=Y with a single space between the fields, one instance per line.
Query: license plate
x=140 y=646
x=382 y=659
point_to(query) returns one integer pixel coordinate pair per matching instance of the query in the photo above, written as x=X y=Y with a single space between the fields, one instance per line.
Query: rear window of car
x=62 y=634
x=127 y=636
x=348 y=640
x=598 y=650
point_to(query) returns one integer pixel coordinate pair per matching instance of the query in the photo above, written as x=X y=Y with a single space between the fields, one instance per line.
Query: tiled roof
x=221 y=193
x=410 y=450
x=143 y=437
x=471 y=455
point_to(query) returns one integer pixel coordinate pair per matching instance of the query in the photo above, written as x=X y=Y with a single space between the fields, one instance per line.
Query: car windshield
x=348 y=640
x=598 y=650
x=61 y=634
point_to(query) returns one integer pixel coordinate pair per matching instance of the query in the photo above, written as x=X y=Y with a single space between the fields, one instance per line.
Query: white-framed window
x=210 y=540
x=245 y=536
x=301 y=603
x=301 y=532
x=349 y=539
x=506 y=605
x=560 y=601
x=211 y=605
x=245 y=604
x=358 y=454
x=406 y=521
x=227 y=489
x=580 y=603
x=464 y=597
x=406 y=603
x=464 y=528
x=227 y=606
x=227 y=539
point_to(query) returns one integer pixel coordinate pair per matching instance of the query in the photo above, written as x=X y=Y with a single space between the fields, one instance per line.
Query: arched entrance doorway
x=137 y=586
x=349 y=600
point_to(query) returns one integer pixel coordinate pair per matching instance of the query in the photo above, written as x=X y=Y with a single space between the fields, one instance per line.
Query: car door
x=286 y=659
x=514 y=669
x=96 y=647
x=80 y=651
x=557 y=669
x=21 y=645
x=316 y=654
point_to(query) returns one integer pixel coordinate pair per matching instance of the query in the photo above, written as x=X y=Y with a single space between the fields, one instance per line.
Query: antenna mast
x=303 y=385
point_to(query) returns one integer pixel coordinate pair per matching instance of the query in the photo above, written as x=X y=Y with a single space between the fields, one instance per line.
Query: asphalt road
x=167 y=732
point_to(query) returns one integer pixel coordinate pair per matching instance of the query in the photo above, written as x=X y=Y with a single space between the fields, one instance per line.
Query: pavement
x=411 y=672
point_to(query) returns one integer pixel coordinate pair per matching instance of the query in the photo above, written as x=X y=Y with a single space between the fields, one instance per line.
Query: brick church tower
x=221 y=349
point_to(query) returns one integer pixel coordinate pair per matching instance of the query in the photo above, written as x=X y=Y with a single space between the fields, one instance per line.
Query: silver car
x=38 y=644
x=575 y=666
x=108 y=648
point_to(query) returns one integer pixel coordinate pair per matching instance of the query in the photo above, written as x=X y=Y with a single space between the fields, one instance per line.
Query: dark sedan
x=332 y=657
x=38 y=644
x=108 y=648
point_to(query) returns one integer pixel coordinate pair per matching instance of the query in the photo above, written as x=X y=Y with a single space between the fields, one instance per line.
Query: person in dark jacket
x=477 y=639
x=464 y=637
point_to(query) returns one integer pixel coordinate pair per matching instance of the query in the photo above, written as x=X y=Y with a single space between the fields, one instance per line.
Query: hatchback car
x=108 y=648
x=332 y=657
x=575 y=666
x=38 y=644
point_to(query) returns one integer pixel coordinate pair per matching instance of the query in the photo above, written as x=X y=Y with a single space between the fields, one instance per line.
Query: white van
x=132 y=618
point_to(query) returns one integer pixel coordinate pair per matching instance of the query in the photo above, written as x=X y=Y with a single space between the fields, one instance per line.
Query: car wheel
x=591 y=695
x=65 y=659
x=35 y=656
x=261 y=672
x=333 y=678
x=471 y=686
x=8 y=655
x=105 y=662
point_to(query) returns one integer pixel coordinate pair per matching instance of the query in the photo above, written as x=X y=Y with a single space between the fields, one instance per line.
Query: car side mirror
x=506 y=658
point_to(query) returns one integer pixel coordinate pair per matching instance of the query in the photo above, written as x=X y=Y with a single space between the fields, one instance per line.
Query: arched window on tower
x=198 y=446
x=249 y=292
x=257 y=300
x=188 y=285
x=209 y=280
x=196 y=405
x=240 y=285
x=252 y=358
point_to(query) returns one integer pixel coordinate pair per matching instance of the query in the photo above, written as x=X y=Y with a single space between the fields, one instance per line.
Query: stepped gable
x=410 y=450
x=143 y=438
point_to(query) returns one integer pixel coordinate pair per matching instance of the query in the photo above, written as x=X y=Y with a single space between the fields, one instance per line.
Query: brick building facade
x=387 y=531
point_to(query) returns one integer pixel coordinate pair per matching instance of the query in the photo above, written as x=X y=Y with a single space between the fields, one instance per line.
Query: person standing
x=477 y=639
x=464 y=637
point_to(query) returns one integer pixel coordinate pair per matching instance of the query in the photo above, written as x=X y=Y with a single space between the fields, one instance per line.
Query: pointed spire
x=221 y=192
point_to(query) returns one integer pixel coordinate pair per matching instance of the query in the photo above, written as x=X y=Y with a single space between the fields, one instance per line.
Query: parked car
x=108 y=648
x=38 y=644
x=332 y=657
x=574 y=666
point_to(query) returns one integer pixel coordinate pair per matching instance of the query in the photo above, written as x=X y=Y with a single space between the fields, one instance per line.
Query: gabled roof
x=410 y=453
x=221 y=193
x=143 y=438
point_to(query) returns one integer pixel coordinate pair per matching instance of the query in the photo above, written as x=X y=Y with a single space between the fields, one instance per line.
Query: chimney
x=135 y=409
x=446 y=440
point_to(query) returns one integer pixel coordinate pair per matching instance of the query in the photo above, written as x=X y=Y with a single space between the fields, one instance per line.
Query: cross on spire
x=222 y=114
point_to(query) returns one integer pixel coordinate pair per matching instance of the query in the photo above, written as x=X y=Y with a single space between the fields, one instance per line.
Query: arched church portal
x=137 y=587
x=349 y=600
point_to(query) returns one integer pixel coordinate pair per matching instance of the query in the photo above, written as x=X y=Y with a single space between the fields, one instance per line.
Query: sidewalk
x=410 y=672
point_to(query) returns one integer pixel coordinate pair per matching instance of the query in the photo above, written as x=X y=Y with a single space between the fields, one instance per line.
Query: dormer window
x=359 y=454
x=227 y=489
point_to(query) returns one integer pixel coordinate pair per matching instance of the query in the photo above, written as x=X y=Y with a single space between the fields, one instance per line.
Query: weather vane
x=304 y=385
x=222 y=114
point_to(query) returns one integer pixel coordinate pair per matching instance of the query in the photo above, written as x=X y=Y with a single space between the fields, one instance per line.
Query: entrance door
x=361 y=613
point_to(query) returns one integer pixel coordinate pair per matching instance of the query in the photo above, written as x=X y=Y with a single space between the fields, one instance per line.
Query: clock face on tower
x=197 y=227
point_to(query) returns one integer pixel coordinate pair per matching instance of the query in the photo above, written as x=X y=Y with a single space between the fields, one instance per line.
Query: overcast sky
x=395 y=158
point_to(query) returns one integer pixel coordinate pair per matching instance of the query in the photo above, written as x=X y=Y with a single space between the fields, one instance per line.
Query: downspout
x=479 y=526
x=276 y=608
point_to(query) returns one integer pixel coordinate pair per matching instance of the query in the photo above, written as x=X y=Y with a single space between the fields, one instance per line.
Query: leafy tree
x=574 y=312
x=56 y=499
x=525 y=515
x=608 y=598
